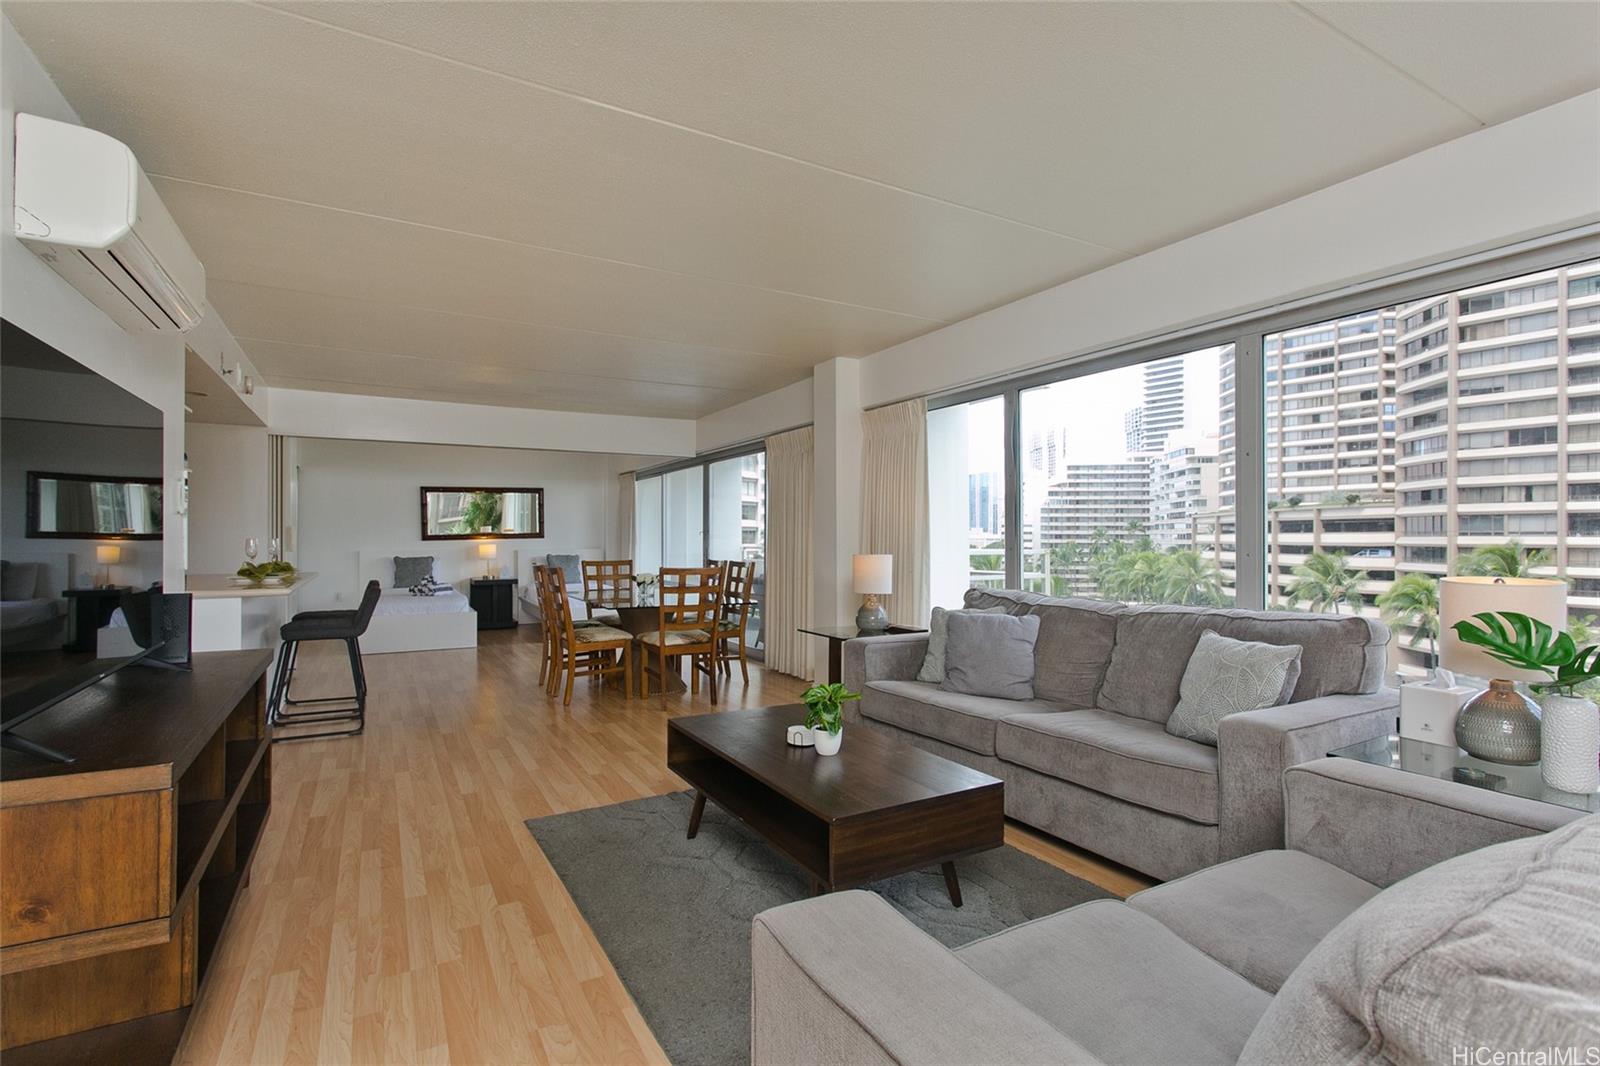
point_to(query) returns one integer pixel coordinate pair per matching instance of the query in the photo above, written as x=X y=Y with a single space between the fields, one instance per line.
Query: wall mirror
x=92 y=507
x=474 y=513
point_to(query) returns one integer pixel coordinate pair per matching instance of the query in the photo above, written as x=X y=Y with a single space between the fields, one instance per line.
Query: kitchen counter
x=221 y=586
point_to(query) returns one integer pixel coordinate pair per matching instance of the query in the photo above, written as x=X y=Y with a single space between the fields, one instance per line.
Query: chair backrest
x=691 y=598
x=556 y=607
x=736 y=591
x=369 y=603
x=608 y=582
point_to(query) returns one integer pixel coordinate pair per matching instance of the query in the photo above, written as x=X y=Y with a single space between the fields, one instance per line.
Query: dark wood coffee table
x=876 y=809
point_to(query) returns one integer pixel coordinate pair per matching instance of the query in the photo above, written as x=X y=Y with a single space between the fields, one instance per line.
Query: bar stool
x=347 y=626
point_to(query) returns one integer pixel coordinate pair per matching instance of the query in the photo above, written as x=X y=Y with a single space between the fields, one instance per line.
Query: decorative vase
x=1570 y=744
x=827 y=743
x=872 y=618
x=1500 y=725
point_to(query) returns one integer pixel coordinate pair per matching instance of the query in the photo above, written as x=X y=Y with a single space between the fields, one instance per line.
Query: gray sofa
x=1312 y=954
x=1089 y=759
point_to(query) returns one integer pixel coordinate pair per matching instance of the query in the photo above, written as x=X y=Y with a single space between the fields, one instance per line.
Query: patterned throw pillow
x=412 y=570
x=1226 y=676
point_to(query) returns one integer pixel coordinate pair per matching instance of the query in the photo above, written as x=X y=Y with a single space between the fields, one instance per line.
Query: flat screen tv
x=157 y=621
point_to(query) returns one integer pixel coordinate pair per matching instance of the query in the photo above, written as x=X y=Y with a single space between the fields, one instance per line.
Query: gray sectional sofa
x=1311 y=954
x=1089 y=759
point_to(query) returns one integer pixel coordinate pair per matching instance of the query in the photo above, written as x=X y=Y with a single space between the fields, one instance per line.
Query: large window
x=1342 y=463
x=966 y=499
x=713 y=510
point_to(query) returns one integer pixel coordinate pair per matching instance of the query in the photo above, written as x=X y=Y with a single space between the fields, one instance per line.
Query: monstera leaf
x=1517 y=640
x=1583 y=668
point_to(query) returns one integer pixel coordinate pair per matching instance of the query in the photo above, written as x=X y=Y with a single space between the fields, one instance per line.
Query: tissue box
x=1429 y=714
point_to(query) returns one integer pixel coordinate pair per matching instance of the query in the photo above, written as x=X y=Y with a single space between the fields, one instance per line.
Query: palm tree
x=1510 y=559
x=1325 y=583
x=1062 y=560
x=1413 y=601
x=1189 y=577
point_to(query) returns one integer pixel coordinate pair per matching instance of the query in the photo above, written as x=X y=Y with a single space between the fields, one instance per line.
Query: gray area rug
x=674 y=914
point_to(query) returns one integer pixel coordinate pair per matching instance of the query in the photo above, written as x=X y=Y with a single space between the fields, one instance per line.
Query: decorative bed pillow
x=412 y=570
x=19 y=581
x=1227 y=676
x=939 y=636
x=430 y=587
x=571 y=567
x=990 y=654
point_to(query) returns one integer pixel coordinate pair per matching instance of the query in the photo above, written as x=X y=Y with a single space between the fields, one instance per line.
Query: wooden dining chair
x=686 y=625
x=584 y=651
x=607 y=585
x=547 y=622
x=735 y=618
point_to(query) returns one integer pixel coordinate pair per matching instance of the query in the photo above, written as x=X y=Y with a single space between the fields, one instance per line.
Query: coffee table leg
x=950 y=882
x=694 y=815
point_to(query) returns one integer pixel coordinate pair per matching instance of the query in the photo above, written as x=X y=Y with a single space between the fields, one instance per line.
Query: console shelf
x=126 y=863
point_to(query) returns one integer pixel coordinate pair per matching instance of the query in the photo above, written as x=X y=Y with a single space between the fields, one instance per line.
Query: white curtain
x=790 y=482
x=894 y=502
x=621 y=546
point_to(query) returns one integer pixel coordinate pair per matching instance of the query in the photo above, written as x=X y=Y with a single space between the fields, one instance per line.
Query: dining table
x=638 y=620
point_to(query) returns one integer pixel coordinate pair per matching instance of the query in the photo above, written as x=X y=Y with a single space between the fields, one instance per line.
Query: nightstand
x=495 y=599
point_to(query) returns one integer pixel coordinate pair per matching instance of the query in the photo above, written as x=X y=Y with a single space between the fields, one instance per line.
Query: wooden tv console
x=119 y=869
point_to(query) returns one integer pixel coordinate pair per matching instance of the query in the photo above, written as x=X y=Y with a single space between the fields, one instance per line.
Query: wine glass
x=251 y=548
x=274 y=549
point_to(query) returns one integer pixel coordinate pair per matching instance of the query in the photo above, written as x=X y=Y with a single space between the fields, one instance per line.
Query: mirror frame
x=34 y=477
x=538 y=513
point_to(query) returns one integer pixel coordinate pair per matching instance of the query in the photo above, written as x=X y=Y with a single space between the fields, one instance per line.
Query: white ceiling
x=665 y=209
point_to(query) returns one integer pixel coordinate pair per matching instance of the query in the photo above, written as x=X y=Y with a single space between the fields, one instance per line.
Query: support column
x=836 y=504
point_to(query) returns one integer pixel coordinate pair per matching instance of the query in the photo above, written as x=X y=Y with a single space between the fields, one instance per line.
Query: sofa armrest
x=1254 y=750
x=891 y=657
x=846 y=979
x=1382 y=823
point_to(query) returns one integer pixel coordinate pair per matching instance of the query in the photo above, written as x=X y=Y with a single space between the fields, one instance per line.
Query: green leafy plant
x=1527 y=643
x=823 y=703
x=269 y=568
x=482 y=511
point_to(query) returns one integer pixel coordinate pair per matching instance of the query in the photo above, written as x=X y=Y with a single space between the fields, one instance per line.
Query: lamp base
x=872 y=618
x=1500 y=725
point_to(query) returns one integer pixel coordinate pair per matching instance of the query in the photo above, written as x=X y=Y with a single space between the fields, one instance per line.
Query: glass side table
x=837 y=635
x=1450 y=763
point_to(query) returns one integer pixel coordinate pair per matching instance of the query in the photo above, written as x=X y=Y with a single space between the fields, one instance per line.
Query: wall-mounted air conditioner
x=84 y=206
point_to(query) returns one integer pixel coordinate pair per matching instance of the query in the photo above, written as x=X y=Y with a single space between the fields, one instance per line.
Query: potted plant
x=1569 y=738
x=825 y=717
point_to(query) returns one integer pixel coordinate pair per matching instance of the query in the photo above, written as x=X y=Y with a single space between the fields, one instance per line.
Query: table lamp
x=107 y=555
x=874 y=577
x=488 y=552
x=1499 y=724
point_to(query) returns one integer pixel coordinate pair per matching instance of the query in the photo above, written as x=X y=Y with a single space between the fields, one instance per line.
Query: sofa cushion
x=990 y=655
x=955 y=718
x=1124 y=757
x=1123 y=985
x=1498 y=948
x=1339 y=653
x=1259 y=915
x=938 y=639
x=1074 y=645
x=1227 y=676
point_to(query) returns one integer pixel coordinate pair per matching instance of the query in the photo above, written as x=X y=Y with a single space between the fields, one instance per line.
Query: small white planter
x=1569 y=745
x=827 y=743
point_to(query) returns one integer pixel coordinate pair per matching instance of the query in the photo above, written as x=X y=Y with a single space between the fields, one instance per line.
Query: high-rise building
x=985 y=500
x=1133 y=430
x=1093 y=503
x=1183 y=483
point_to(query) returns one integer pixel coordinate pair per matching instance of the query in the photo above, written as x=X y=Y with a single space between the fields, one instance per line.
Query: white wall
x=227 y=495
x=364 y=496
x=128 y=451
x=300 y=413
x=773 y=412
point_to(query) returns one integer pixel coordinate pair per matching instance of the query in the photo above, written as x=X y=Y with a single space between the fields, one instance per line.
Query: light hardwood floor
x=399 y=911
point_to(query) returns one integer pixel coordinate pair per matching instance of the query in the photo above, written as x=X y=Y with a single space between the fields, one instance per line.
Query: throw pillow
x=939 y=636
x=990 y=654
x=412 y=570
x=571 y=567
x=20 y=581
x=1227 y=676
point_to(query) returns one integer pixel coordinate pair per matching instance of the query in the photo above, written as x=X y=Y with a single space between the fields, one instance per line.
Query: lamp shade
x=1462 y=597
x=874 y=574
x=106 y=554
x=488 y=550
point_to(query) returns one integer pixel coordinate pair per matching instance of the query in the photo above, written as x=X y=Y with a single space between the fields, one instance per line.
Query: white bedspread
x=401 y=602
x=14 y=614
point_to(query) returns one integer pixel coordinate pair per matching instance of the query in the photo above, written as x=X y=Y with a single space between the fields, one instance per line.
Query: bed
x=30 y=615
x=403 y=622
